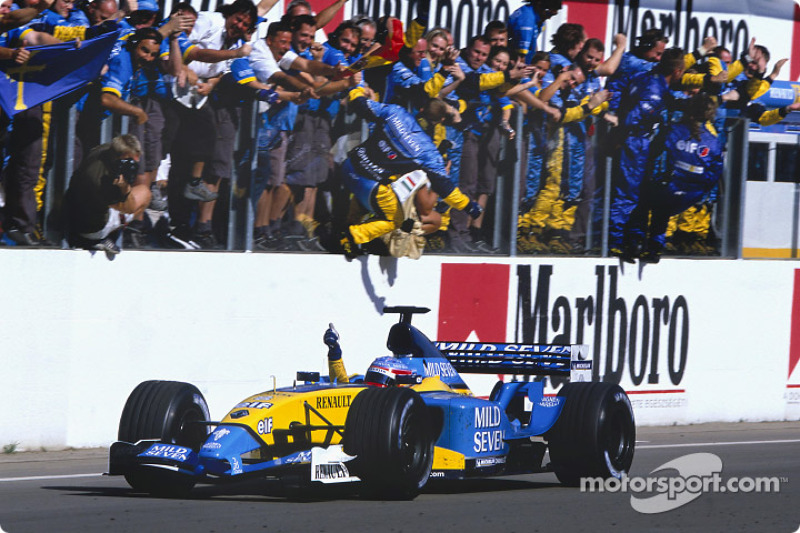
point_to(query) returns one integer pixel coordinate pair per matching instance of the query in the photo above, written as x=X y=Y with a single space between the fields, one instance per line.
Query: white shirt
x=209 y=33
x=263 y=61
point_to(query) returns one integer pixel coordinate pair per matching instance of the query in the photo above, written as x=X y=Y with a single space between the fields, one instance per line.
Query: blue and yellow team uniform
x=537 y=144
x=308 y=151
x=643 y=110
x=553 y=212
x=125 y=81
x=486 y=79
x=536 y=128
x=631 y=66
x=693 y=169
x=396 y=145
x=524 y=27
x=279 y=118
x=31 y=128
x=411 y=88
x=77 y=17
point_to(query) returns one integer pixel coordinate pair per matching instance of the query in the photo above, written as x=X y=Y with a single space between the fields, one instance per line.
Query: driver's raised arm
x=336 y=368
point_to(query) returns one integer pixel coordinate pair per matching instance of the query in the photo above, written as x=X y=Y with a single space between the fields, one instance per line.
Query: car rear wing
x=522 y=359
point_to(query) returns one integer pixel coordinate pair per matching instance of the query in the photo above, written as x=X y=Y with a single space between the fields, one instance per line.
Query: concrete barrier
x=691 y=341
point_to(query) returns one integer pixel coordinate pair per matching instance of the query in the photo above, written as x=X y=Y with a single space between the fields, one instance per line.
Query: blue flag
x=52 y=71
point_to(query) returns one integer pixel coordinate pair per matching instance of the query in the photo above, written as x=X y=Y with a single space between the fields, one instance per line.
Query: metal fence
x=239 y=211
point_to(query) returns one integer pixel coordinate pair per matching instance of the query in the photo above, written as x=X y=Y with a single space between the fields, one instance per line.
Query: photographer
x=101 y=198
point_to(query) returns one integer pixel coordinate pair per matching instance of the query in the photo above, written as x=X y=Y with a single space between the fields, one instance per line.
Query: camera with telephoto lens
x=128 y=168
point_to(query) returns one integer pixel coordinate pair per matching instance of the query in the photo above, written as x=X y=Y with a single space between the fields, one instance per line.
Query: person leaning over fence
x=477 y=169
x=398 y=145
x=275 y=72
x=644 y=109
x=693 y=168
x=308 y=157
x=28 y=164
x=209 y=120
x=135 y=86
x=101 y=198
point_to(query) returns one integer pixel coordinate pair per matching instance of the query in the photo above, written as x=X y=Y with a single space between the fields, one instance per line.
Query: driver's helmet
x=384 y=372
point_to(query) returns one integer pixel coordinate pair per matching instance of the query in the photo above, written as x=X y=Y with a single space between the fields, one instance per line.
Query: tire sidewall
x=595 y=434
x=419 y=471
x=374 y=433
x=615 y=425
x=188 y=406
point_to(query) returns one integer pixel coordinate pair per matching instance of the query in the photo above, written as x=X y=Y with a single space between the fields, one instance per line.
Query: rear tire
x=595 y=435
x=390 y=432
x=165 y=411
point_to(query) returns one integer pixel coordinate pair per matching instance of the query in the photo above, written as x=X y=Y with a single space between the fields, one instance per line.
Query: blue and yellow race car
x=390 y=439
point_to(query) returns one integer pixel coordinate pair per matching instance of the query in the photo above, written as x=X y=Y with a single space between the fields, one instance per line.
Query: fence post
x=734 y=180
x=516 y=182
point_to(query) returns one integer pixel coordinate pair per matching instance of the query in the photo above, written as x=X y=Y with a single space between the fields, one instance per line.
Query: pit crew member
x=397 y=145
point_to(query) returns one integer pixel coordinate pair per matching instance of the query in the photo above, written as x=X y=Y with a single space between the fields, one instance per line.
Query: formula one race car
x=391 y=440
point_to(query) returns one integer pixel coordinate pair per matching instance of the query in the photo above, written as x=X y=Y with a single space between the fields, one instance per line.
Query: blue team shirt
x=645 y=106
x=524 y=27
x=630 y=67
x=327 y=104
x=125 y=81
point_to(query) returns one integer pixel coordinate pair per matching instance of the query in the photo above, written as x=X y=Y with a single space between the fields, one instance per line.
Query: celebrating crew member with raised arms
x=397 y=145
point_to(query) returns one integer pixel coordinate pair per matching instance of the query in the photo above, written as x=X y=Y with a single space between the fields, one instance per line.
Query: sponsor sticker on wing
x=168 y=451
x=489 y=461
x=328 y=465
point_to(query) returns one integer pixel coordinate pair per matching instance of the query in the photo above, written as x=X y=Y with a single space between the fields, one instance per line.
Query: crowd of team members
x=316 y=186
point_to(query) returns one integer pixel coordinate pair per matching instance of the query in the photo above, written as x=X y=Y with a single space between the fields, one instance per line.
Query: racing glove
x=331 y=340
x=473 y=209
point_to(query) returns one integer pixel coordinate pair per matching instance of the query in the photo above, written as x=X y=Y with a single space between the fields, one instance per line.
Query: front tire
x=390 y=432
x=595 y=435
x=168 y=411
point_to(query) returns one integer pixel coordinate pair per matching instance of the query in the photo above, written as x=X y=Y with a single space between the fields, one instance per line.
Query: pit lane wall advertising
x=691 y=341
x=774 y=23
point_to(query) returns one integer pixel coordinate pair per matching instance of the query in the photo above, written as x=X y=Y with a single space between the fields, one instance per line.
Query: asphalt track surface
x=64 y=492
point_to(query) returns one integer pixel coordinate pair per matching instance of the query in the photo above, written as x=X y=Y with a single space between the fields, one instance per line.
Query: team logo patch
x=703 y=150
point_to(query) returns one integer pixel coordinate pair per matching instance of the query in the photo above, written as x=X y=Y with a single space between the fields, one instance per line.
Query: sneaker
x=108 y=246
x=265 y=242
x=23 y=239
x=133 y=238
x=207 y=241
x=311 y=244
x=158 y=200
x=199 y=192
x=179 y=238
x=175 y=242
x=483 y=247
x=460 y=246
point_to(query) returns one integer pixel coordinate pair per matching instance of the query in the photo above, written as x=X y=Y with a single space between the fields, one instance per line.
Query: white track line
x=640 y=447
x=698 y=444
x=38 y=478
